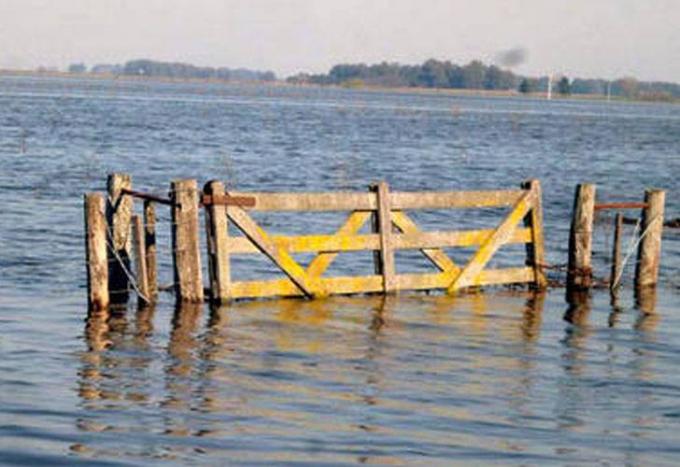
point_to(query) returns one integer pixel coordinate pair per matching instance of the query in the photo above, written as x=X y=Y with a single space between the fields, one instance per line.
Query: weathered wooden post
x=216 y=226
x=138 y=240
x=119 y=214
x=384 y=224
x=649 y=250
x=616 y=254
x=95 y=252
x=534 y=221
x=580 y=272
x=150 y=243
x=185 y=241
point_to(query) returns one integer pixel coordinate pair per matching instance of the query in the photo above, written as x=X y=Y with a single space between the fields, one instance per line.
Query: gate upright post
x=580 y=273
x=185 y=241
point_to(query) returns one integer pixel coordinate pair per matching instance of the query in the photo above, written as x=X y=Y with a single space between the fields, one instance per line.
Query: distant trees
x=77 y=68
x=144 y=67
x=431 y=74
x=528 y=85
x=564 y=86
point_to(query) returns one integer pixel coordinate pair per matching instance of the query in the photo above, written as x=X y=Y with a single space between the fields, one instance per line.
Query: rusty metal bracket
x=148 y=196
x=622 y=205
x=228 y=200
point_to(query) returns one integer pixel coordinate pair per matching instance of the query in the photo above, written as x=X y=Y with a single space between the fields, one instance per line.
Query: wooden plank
x=139 y=247
x=217 y=238
x=454 y=199
x=340 y=201
x=286 y=288
x=326 y=244
x=411 y=231
x=309 y=285
x=534 y=221
x=119 y=214
x=649 y=248
x=185 y=241
x=472 y=269
x=343 y=240
x=345 y=285
x=413 y=240
x=357 y=201
x=387 y=265
x=96 y=252
x=150 y=242
x=580 y=272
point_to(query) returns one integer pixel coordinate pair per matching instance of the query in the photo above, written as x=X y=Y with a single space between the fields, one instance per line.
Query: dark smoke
x=512 y=57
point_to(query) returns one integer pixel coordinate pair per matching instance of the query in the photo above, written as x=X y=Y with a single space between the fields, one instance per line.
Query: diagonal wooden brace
x=436 y=255
x=309 y=285
x=323 y=260
x=500 y=236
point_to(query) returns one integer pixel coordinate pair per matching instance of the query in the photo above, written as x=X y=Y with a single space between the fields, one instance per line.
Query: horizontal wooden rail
x=340 y=243
x=352 y=201
x=345 y=285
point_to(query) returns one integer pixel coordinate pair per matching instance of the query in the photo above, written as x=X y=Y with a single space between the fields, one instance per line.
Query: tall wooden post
x=150 y=242
x=216 y=226
x=119 y=213
x=580 y=273
x=185 y=241
x=95 y=252
x=616 y=254
x=139 y=246
x=384 y=218
x=649 y=250
x=534 y=221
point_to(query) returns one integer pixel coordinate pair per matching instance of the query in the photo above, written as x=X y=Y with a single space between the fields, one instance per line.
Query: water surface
x=500 y=377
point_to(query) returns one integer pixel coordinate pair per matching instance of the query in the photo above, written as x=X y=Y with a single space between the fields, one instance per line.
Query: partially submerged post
x=185 y=241
x=384 y=223
x=150 y=243
x=616 y=254
x=649 y=250
x=580 y=273
x=118 y=214
x=95 y=252
x=216 y=226
x=138 y=240
x=534 y=221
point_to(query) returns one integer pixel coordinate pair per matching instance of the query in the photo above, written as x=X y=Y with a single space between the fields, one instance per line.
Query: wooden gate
x=392 y=229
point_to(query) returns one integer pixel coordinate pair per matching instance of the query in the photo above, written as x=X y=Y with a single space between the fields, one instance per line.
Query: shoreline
x=482 y=93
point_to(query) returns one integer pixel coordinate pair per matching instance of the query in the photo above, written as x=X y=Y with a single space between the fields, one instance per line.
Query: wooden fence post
x=185 y=241
x=384 y=218
x=649 y=250
x=580 y=272
x=95 y=252
x=616 y=254
x=139 y=247
x=216 y=226
x=534 y=220
x=150 y=243
x=119 y=214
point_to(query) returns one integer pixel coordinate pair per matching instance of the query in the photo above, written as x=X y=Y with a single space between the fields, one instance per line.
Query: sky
x=585 y=38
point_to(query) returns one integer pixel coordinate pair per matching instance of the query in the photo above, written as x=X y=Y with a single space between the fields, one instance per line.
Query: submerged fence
x=114 y=233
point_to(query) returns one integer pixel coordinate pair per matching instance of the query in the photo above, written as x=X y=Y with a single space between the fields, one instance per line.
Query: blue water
x=499 y=377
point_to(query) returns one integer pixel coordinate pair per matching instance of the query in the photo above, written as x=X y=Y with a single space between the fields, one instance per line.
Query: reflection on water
x=363 y=379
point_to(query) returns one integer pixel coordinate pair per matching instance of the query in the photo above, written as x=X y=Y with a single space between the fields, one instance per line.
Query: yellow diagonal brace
x=470 y=272
x=435 y=255
x=323 y=260
x=310 y=286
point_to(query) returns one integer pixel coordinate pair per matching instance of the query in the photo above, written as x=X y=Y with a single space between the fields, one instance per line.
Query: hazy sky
x=588 y=38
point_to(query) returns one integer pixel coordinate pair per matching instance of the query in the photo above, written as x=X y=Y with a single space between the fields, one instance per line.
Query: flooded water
x=500 y=377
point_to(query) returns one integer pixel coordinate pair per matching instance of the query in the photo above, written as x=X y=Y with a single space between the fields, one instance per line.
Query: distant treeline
x=477 y=75
x=153 y=68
